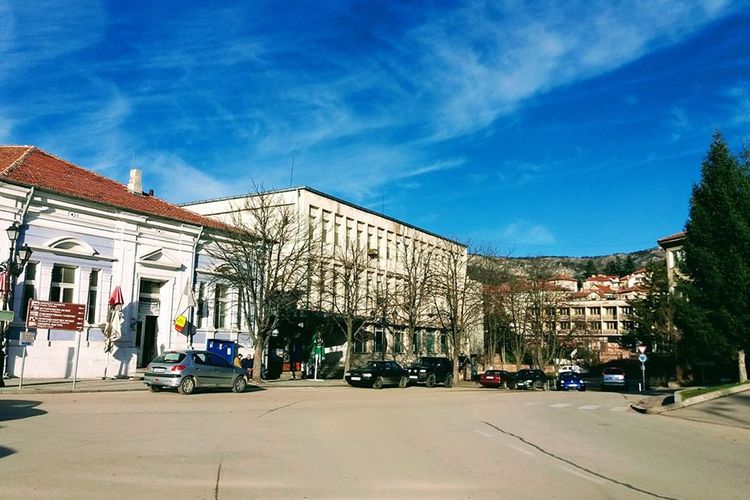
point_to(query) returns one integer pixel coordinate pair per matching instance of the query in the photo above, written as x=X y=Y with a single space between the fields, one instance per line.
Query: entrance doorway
x=147 y=335
x=149 y=306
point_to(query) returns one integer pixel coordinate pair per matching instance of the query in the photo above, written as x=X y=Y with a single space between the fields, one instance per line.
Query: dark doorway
x=148 y=346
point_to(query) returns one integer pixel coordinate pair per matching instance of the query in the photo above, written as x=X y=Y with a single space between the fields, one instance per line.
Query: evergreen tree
x=714 y=313
x=613 y=267
x=589 y=269
x=653 y=312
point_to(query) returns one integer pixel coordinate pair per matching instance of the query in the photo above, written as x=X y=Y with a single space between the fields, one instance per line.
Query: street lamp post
x=9 y=270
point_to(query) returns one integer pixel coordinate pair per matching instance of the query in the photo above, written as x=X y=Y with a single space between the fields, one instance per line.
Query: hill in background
x=619 y=264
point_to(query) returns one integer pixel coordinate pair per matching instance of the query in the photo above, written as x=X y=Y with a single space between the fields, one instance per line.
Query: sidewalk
x=665 y=403
x=63 y=386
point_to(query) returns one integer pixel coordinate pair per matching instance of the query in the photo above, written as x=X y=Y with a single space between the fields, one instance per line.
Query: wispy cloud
x=355 y=117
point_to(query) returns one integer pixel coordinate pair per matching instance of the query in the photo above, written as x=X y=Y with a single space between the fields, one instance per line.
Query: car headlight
x=422 y=371
x=347 y=374
x=367 y=375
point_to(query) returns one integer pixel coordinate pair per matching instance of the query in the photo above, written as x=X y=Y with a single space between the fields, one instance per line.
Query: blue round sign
x=642 y=358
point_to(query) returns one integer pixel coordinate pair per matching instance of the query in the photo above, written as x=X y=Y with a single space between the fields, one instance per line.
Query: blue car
x=571 y=381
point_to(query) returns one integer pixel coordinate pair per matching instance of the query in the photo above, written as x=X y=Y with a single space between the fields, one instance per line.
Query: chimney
x=134 y=184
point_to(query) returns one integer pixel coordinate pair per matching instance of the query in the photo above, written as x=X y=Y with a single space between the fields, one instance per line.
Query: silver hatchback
x=190 y=370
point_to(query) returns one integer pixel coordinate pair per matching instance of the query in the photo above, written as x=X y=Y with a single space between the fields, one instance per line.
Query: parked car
x=572 y=368
x=571 y=381
x=430 y=371
x=190 y=370
x=376 y=374
x=531 y=379
x=613 y=376
x=496 y=378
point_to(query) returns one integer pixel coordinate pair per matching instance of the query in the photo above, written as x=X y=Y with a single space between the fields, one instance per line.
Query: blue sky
x=540 y=128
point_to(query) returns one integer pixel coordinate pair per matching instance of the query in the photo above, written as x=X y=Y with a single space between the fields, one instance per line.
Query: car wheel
x=449 y=381
x=544 y=386
x=187 y=386
x=378 y=384
x=430 y=382
x=404 y=382
x=154 y=388
x=240 y=384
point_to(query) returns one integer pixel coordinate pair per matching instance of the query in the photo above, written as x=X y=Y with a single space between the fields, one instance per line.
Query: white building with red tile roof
x=90 y=234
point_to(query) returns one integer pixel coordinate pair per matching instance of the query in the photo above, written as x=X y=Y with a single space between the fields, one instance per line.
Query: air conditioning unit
x=372 y=252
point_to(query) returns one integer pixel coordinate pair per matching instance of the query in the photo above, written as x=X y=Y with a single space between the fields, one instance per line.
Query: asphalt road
x=361 y=443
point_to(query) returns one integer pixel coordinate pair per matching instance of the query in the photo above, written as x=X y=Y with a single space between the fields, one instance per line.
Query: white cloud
x=353 y=121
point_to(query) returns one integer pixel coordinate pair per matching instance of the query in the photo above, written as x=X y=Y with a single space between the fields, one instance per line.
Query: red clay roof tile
x=30 y=166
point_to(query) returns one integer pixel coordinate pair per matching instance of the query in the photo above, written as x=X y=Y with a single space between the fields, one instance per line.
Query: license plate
x=356 y=378
x=413 y=376
x=160 y=369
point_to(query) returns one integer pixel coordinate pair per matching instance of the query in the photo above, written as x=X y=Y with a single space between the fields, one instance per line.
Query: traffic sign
x=642 y=358
x=6 y=315
x=27 y=338
x=642 y=349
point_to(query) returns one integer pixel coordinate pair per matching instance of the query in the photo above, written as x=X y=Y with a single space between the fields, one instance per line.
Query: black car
x=570 y=381
x=531 y=379
x=376 y=374
x=430 y=371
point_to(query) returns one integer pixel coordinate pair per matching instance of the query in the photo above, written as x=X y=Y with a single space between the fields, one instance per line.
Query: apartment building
x=599 y=314
x=341 y=224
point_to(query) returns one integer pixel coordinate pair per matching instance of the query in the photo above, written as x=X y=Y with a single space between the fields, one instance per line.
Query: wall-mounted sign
x=55 y=315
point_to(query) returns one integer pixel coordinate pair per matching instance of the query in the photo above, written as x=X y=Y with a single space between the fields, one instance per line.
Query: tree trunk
x=742 y=366
x=258 y=360
x=349 y=341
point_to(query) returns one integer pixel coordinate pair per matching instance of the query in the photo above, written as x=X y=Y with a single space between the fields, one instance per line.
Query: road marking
x=483 y=433
x=588 y=407
x=582 y=475
x=521 y=450
x=619 y=408
x=559 y=405
x=533 y=403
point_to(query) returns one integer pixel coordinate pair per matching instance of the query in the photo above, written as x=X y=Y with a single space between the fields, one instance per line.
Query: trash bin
x=227 y=349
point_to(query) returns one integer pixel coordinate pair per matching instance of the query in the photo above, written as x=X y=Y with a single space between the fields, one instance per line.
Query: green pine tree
x=714 y=313
x=653 y=311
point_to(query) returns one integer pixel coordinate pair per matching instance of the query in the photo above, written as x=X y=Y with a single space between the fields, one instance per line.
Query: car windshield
x=568 y=376
x=614 y=371
x=425 y=362
x=492 y=372
x=170 y=357
x=374 y=364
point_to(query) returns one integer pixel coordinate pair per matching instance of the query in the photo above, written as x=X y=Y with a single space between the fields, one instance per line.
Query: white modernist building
x=340 y=223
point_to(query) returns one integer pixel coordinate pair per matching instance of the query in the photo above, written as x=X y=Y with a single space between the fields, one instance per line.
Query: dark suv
x=531 y=379
x=430 y=371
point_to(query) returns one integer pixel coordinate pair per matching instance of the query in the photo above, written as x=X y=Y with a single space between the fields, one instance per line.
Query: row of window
x=432 y=343
x=595 y=310
x=62 y=288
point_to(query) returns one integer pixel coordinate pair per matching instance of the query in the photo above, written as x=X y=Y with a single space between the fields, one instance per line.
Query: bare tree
x=457 y=299
x=543 y=300
x=344 y=292
x=412 y=303
x=510 y=308
x=493 y=273
x=267 y=259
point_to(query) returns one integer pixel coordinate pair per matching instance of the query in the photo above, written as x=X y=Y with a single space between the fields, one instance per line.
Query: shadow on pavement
x=14 y=409
x=4 y=452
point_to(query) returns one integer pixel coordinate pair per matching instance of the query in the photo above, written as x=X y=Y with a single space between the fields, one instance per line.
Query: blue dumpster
x=227 y=349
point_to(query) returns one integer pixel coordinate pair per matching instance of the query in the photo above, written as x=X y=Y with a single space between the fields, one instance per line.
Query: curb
x=641 y=407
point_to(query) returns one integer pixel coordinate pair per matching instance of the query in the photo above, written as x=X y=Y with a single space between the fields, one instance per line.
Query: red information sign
x=55 y=315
